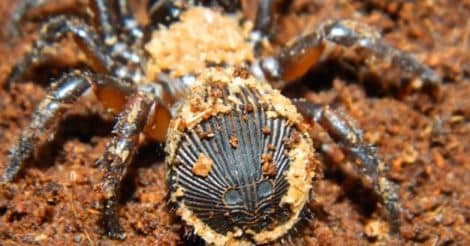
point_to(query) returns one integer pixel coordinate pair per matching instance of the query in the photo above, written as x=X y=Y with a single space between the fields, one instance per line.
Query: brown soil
x=426 y=142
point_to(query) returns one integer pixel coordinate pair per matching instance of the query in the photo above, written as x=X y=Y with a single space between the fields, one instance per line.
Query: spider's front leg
x=118 y=156
x=61 y=95
x=293 y=61
x=143 y=113
x=107 y=56
x=363 y=158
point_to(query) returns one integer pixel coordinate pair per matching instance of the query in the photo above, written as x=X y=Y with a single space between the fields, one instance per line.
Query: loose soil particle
x=203 y=165
x=425 y=142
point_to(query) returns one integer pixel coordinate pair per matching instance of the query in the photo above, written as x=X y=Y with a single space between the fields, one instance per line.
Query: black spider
x=241 y=161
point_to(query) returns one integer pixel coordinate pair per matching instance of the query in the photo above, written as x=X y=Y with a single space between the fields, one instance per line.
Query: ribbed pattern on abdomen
x=236 y=147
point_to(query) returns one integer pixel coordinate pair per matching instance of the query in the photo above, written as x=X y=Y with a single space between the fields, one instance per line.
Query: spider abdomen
x=240 y=162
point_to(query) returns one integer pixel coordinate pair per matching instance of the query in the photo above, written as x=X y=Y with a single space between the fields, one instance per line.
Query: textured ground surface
x=425 y=142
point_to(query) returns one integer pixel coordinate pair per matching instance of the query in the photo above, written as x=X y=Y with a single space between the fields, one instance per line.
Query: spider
x=242 y=159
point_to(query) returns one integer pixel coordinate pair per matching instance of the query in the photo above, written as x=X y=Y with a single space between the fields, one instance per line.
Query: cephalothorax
x=241 y=161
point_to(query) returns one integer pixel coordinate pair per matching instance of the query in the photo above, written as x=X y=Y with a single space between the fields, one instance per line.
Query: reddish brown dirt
x=425 y=142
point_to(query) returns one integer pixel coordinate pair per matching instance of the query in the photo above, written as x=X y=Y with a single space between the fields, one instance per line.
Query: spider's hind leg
x=293 y=61
x=363 y=159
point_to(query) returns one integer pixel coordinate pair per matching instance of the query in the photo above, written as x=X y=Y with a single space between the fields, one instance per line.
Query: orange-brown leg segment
x=157 y=124
x=112 y=93
x=293 y=61
x=362 y=157
x=61 y=95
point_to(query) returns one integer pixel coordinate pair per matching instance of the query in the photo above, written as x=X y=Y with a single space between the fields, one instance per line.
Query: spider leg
x=128 y=59
x=104 y=21
x=296 y=59
x=131 y=31
x=264 y=22
x=55 y=29
x=38 y=8
x=365 y=162
x=21 y=10
x=118 y=156
x=143 y=113
x=99 y=10
x=61 y=95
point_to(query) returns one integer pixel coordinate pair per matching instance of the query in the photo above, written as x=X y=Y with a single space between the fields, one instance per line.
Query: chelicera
x=241 y=157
